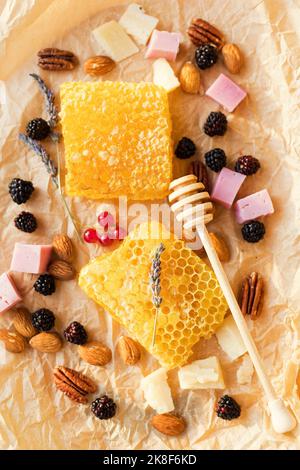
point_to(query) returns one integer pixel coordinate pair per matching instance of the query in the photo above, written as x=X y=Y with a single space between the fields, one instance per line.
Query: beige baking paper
x=33 y=415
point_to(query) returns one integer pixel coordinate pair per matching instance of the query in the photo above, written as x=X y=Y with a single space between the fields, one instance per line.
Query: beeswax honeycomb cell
x=184 y=316
x=117 y=139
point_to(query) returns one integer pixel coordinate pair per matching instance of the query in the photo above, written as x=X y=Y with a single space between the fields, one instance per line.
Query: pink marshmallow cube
x=227 y=93
x=32 y=259
x=227 y=186
x=9 y=296
x=163 y=44
x=253 y=206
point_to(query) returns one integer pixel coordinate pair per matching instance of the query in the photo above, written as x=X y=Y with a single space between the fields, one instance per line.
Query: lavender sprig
x=49 y=96
x=155 y=284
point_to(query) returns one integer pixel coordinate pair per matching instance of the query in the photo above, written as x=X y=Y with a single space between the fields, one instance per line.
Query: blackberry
x=215 y=159
x=227 y=408
x=206 y=56
x=185 y=148
x=216 y=124
x=75 y=333
x=26 y=222
x=20 y=190
x=104 y=407
x=247 y=165
x=45 y=284
x=43 y=319
x=253 y=231
x=38 y=129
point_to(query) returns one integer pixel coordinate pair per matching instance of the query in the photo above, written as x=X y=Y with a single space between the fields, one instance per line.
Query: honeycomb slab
x=117 y=139
x=193 y=304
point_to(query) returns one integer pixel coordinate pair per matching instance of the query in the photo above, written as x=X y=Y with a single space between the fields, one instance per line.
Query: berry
x=90 y=235
x=253 y=231
x=26 y=222
x=105 y=219
x=104 y=407
x=227 y=408
x=247 y=165
x=43 y=319
x=75 y=333
x=105 y=239
x=206 y=56
x=185 y=148
x=118 y=234
x=20 y=190
x=216 y=124
x=215 y=159
x=38 y=129
x=45 y=284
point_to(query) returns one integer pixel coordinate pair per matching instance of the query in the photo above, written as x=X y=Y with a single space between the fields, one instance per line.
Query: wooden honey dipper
x=191 y=205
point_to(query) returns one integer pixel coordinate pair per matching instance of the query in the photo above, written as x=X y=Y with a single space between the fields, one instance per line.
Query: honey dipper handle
x=282 y=419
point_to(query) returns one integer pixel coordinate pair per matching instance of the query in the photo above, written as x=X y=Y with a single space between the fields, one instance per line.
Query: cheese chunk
x=138 y=24
x=245 y=371
x=112 y=38
x=205 y=373
x=164 y=76
x=230 y=340
x=157 y=392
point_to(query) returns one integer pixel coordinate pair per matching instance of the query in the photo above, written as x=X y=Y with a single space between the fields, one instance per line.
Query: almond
x=61 y=270
x=95 y=353
x=22 y=323
x=46 y=342
x=99 y=65
x=129 y=350
x=233 y=57
x=63 y=247
x=220 y=246
x=168 y=424
x=190 y=79
x=14 y=342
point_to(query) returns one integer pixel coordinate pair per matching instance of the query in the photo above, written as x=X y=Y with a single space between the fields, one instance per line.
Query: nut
x=233 y=57
x=22 y=323
x=63 y=247
x=198 y=169
x=129 y=350
x=61 y=270
x=168 y=424
x=220 y=246
x=201 y=32
x=46 y=342
x=14 y=342
x=56 y=59
x=251 y=295
x=95 y=353
x=73 y=384
x=190 y=79
x=99 y=65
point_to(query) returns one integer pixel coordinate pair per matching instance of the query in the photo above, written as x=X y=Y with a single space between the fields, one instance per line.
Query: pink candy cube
x=225 y=92
x=253 y=206
x=9 y=296
x=227 y=186
x=30 y=258
x=163 y=44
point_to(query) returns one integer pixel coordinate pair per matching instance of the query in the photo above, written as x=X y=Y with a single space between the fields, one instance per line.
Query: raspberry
x=20 y=190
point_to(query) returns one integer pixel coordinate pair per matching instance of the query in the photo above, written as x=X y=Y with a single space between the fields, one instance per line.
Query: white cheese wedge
x=245 y=371
x=138 y=24
x=205 y=373
x=114 y=41
x=230 y=340
x=157 y=392
x=164 y=76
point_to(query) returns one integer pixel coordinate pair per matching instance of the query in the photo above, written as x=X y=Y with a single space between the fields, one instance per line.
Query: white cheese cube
x=112 y=38
x=157 y=392
x=230 y=340
x=205 y=373
x=138 y=24
x=164 y=76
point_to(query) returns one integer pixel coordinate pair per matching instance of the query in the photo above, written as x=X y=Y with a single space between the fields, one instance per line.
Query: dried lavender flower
x=49 y=97
x=155 y=284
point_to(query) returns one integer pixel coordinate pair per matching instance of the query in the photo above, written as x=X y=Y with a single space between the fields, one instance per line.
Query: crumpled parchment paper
x=33 y=415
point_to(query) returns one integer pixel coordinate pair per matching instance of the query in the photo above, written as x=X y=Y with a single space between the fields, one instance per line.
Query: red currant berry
x=90 y=236
x=105 y=239
x=105 y=219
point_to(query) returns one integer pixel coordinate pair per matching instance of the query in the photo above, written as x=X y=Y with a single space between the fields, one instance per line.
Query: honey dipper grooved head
x=190 y=202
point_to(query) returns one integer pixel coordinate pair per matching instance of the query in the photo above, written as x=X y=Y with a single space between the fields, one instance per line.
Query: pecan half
x=201 y=32
x=73 y=384
x=56 y=59
x=198 y=169
x=251 y=295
